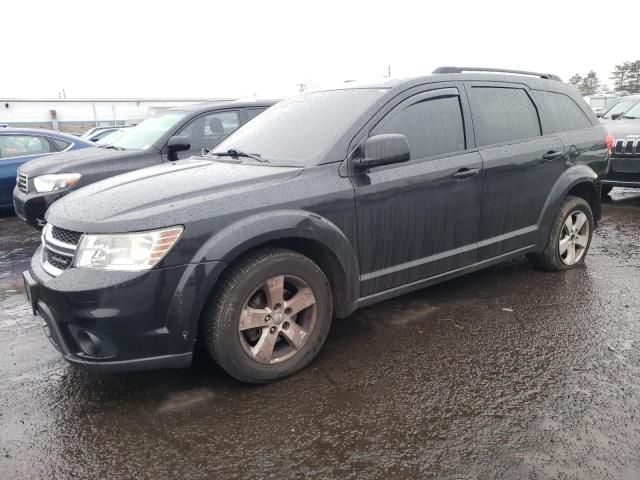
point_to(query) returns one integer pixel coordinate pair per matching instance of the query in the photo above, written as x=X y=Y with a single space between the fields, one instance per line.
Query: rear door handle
x=552 y=156
x=466 y=173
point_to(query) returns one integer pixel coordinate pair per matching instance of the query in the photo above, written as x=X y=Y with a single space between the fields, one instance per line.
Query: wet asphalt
x=506 y=373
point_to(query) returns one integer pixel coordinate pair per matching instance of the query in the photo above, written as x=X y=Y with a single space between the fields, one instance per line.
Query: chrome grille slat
x=23 y=183
x=65 y=236
x=626 y=148
x=58 y=249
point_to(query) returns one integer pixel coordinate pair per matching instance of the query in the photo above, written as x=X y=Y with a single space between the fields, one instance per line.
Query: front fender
x=571 y=177
x=231 y=242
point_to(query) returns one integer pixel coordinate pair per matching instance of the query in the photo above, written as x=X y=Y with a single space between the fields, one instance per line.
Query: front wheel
x=570 y=237
x=270 y=317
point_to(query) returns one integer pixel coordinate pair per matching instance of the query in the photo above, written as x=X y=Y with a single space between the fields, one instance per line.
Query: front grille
x=626 y=148
x=61 y=262
x=23 y=183
x=66 y=236
x=58 y=248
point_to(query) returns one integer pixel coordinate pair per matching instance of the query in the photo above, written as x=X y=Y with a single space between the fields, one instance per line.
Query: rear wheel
x=270 y=317
x=570 y=237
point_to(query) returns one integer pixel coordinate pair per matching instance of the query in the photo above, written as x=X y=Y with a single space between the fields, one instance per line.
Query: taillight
x=608 y=140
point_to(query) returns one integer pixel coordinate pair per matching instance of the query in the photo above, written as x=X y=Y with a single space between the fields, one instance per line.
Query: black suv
x=325 y=203
x=173 y=134
x=625 y=156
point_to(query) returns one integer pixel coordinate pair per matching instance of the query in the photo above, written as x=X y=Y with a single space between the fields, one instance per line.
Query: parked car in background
x=19 y=145
x=327 y=202
x=97 y=133
x=601 y=102
x=625 y=156
x=170 y=135
x=110 y=137
x=619 y=108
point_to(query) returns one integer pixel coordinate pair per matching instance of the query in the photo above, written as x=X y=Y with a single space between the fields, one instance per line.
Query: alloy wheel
x=277 y=319
x=574 y=238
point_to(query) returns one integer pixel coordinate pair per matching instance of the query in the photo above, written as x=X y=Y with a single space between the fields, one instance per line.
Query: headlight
x=55 y=181
x=127 y=251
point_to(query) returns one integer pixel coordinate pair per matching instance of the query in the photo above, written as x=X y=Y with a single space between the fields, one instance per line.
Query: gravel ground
x=505 y=373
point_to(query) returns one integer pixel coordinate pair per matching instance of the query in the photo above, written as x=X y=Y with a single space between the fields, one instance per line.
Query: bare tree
x=576 y=80
x=590 y=84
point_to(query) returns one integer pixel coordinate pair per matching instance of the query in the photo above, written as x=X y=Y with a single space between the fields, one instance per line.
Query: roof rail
x=547 y=76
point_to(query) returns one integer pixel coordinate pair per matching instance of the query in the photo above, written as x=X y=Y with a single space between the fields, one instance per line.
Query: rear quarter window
x=61 y=144
x=503 y=114
x=562 y=114
x=254 y=112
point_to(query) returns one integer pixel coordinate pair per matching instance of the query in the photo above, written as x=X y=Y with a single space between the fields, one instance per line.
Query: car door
x=520 y=166
x=16 y=149
x=420 y=218
x=207 y=131
x=562 y=116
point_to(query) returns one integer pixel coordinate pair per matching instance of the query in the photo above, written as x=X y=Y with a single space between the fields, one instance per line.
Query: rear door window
x=432 y=126
x=22 y=145
x=562 y=113
x=503 y=114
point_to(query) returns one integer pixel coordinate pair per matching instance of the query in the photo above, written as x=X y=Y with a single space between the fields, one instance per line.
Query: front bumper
x=624 y=172
x=31 y=207
x=121 y=321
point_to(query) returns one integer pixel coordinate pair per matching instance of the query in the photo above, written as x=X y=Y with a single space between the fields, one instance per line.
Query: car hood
x=623 y=128
x=169 y=194
x=74 y=161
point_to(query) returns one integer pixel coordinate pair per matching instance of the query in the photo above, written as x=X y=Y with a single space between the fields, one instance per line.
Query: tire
x=605 y=190
x=247 y=314
x=551 y=258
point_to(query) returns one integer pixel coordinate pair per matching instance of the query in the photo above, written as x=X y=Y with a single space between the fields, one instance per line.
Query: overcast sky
x=240 y=48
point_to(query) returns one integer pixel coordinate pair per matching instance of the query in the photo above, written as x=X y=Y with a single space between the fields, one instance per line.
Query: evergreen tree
x=619 y=76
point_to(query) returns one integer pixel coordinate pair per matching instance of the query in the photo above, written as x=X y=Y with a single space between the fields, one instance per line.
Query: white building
x=78 y=115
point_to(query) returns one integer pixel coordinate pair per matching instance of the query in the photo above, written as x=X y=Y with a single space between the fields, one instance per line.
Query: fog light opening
x=89 y=343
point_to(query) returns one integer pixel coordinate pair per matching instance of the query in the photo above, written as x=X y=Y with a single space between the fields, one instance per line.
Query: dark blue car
x=19 y=145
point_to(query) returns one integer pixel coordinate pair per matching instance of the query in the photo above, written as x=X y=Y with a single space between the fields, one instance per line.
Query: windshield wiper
x=234 y=152
x=111 y=146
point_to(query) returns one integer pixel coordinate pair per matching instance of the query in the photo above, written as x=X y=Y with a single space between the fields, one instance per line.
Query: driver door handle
x=466 y=173
x=552 y=156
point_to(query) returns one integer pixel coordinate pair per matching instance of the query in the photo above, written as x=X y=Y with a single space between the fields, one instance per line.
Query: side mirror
x=615 y=116
x=178 y=143
x=383 y=149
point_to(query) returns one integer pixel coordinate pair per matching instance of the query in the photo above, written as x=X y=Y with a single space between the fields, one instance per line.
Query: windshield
x=598 y=102
x=302 y=129
x=619 y=108
x=146 y=133
x=633 y=113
